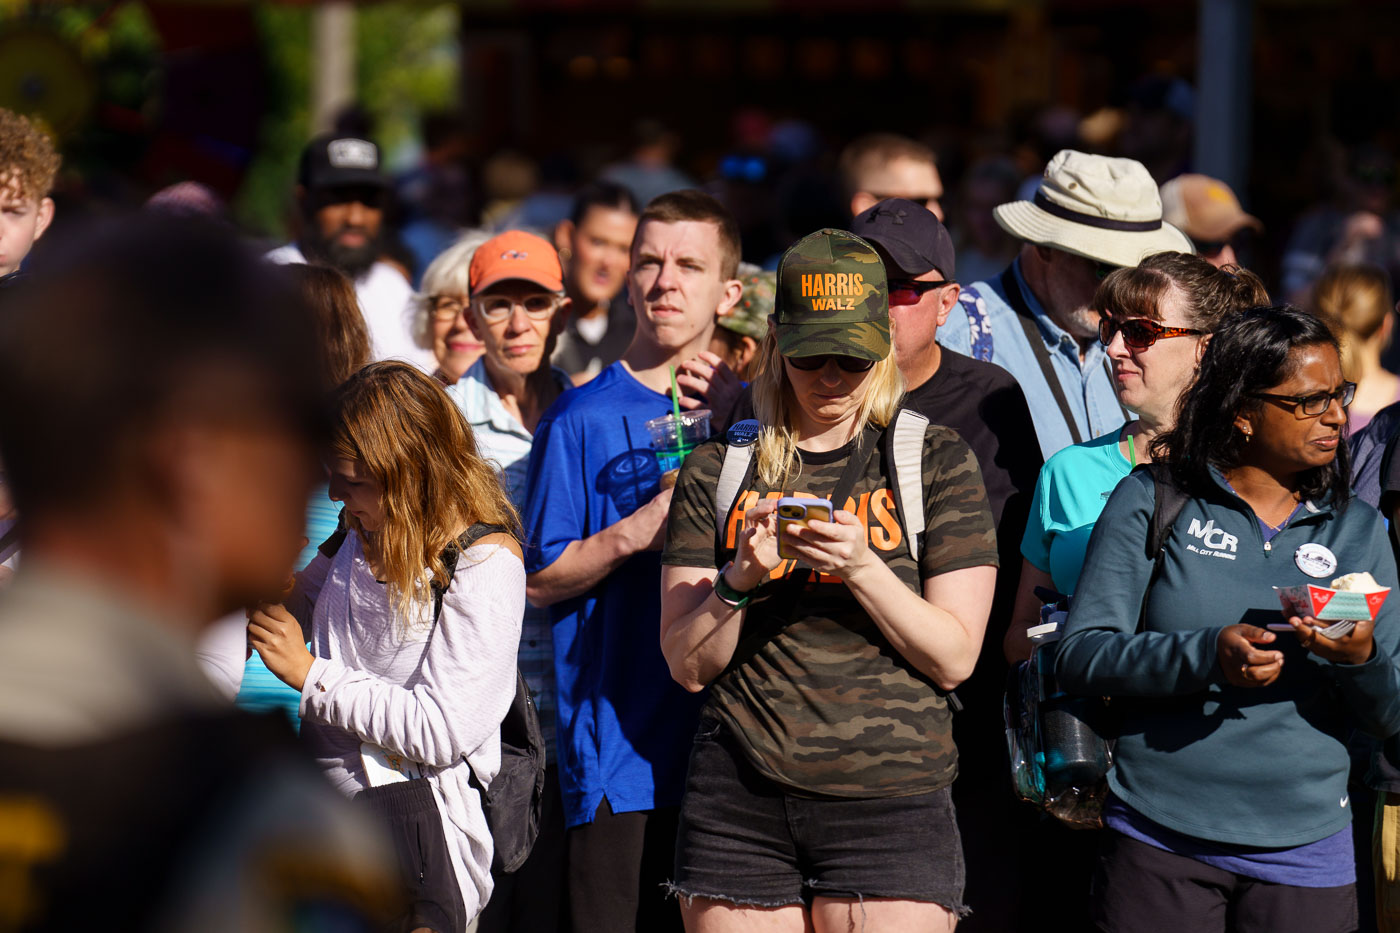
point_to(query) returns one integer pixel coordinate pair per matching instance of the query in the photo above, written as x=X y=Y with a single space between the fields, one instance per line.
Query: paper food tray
x=1328 y=605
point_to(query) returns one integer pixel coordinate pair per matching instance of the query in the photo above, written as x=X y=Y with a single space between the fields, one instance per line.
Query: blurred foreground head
x=165 y=410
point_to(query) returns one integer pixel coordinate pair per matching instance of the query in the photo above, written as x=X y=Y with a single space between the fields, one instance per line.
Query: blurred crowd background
x=494 y=113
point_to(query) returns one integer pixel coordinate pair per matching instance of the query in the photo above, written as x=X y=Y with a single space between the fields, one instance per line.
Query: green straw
x=676 y=411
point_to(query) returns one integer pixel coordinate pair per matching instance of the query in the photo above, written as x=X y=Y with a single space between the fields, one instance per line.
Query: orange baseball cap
x=515 y=254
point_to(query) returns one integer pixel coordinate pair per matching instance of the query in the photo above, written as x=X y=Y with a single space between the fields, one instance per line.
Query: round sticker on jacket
x=1315 y=560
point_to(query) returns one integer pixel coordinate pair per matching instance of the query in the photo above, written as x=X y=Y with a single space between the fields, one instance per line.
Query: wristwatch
x=727 y=594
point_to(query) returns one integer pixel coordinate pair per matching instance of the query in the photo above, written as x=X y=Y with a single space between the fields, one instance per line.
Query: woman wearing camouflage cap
x=818 y=791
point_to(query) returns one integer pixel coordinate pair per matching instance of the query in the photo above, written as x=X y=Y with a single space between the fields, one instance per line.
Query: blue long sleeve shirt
x=1263 y=766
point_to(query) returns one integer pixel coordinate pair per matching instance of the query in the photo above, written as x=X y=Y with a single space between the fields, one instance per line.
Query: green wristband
x=726 y=593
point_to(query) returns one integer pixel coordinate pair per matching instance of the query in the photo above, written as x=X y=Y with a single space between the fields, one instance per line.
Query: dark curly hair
x=1249 y=352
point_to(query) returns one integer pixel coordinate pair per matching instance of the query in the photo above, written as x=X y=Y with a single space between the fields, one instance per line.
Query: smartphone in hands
x=794 y=511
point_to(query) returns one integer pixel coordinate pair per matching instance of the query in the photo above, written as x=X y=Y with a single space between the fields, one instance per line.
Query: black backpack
x=514 y=800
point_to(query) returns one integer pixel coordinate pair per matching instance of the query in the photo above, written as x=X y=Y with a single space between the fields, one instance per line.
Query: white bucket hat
x=1107 y=210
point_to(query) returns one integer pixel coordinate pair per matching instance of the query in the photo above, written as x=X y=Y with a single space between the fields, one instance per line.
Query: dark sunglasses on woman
x=1139 y=333
x=847 y=364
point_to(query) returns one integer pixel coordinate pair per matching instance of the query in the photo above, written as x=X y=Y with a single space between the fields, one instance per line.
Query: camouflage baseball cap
x=750 y=316
x=832 y=298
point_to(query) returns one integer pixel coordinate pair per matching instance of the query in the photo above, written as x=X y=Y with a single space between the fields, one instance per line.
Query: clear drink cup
x=672 y=439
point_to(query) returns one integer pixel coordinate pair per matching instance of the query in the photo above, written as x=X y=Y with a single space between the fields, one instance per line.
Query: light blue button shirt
x=1087 y=384
x=500 y=438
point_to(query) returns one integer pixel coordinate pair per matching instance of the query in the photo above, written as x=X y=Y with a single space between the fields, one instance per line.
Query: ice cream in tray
x=1349 y=598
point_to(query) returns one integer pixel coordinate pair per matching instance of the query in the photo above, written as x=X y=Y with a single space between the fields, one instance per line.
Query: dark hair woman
x=1231 y=765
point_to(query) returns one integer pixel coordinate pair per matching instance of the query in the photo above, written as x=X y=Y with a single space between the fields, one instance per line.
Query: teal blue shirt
x=1073 y=487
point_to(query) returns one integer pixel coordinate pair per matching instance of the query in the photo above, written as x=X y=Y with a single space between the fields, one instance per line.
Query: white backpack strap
x=738 y=455
x=907 y=455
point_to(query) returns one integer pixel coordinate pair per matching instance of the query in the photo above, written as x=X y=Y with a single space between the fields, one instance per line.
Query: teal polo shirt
x=1070 y=493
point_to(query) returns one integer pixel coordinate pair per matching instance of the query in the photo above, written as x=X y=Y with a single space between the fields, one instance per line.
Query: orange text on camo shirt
x=876 y=510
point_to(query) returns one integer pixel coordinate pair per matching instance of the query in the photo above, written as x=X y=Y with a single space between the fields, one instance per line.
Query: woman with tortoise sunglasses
x=1156 y=320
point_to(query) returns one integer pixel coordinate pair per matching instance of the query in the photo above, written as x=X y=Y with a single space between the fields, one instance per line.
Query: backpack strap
x=1036 y=341
x=737 y=466
x=453 y=551
x=331 y=545
x=1168 y=501
x=904 y=450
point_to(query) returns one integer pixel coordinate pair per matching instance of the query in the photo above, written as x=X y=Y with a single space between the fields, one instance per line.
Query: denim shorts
x=751 y=842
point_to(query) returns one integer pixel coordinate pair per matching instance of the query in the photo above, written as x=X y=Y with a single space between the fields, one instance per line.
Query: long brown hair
x=402 y=427
x=335 y=309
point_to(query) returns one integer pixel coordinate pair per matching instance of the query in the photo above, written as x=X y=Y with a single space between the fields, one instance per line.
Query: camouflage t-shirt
x=827 y=705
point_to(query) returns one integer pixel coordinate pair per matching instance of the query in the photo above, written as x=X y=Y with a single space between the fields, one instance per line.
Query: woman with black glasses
x=1228 y=805
x=1156 y=320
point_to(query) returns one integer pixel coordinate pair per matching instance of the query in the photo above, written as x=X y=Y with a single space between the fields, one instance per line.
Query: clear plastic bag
x=1059 y=757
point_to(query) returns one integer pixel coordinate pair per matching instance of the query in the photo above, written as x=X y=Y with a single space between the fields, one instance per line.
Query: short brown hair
x=330 y=296
x=28 y=161
x=1210 y=293
x=872 y=152
x=690 y=204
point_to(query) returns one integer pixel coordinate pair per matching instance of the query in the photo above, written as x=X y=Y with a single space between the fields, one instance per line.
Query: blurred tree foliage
x=406 y=65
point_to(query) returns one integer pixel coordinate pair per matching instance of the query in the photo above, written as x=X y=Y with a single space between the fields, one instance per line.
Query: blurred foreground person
x=131 y=797
x=340 y=331
x=413 y=611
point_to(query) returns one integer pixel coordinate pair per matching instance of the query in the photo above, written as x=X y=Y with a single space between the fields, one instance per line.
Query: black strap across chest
x=1017 y=299
x=1026 y=318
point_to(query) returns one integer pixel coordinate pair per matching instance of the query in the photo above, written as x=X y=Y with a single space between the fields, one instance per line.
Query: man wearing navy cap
x=984 y=404
x=342 y=194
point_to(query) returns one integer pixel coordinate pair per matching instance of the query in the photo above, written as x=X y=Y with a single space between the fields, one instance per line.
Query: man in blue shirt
x=1090 y=215
x=595 y=520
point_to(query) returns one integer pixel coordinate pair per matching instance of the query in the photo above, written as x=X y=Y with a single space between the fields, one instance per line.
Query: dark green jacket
x=1264 y=766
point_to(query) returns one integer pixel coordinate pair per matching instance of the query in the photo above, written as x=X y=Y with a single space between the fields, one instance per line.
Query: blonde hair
x=409 y=435
x=775 y=408
x=1354 y=301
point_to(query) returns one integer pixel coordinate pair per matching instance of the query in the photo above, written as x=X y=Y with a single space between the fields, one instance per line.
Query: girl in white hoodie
x=411 y=667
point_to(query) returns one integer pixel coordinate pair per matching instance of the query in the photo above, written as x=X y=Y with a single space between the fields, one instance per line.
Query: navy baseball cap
x=909 y=235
